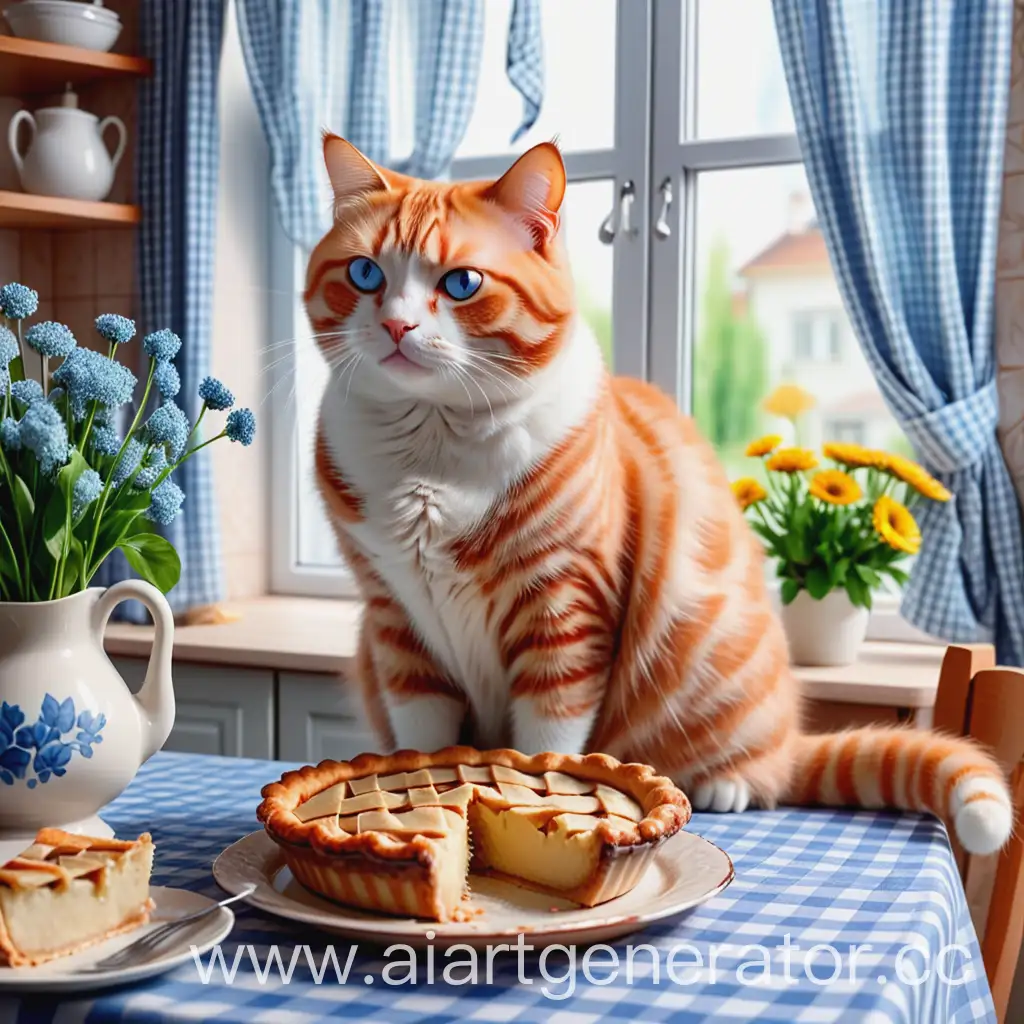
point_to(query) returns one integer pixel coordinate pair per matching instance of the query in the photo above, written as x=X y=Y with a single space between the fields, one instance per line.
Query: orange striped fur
x=550 y=556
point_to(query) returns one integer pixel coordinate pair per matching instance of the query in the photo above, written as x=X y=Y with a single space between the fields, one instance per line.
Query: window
x=847 y=431
x=803 y=337
x=835 y=339
x=719 y=284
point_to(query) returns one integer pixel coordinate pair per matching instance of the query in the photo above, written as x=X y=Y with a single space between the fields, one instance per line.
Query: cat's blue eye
x=365 y=274
x=462 y=283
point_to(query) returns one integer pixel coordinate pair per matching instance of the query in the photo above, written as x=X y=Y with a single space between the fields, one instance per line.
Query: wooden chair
x=977 y=699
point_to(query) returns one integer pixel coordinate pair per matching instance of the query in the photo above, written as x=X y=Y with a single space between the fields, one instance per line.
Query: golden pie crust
x=67 y=892
x=382 y=832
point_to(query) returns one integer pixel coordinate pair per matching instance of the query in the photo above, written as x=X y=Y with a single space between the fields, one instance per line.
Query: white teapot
x=66 y=156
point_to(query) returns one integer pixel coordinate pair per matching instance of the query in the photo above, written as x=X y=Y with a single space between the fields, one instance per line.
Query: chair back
x=976 y=698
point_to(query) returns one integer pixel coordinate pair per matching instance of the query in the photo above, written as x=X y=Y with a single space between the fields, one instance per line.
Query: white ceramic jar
x=72 y=736
x=825 y=632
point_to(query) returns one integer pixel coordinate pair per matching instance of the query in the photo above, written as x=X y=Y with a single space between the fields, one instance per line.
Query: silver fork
x=143 y=948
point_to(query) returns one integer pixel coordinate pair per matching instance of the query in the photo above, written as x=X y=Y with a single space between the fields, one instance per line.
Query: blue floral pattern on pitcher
x=44 y=747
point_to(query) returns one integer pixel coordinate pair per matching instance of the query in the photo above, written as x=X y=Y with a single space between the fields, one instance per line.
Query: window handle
x=662 y=228
x=620 y=217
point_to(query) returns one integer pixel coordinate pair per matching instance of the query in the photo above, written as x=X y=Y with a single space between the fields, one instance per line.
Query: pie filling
x=66 y=892
x=403 y=842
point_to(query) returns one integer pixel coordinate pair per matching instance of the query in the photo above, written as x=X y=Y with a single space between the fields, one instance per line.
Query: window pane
x=579 y=70
x=768 y=312
x=741 y=87
x=586 y=205
x=317 y=547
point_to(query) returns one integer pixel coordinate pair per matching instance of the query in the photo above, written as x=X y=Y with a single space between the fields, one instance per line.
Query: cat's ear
x=533 y=189
x=351 y=174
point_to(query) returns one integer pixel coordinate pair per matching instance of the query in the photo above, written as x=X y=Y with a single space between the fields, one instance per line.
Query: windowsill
x=886 y=673
x=318 y=635
x=296 y=634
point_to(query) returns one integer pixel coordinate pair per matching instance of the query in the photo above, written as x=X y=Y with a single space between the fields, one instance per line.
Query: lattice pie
x=395 y=834
x=66 y=892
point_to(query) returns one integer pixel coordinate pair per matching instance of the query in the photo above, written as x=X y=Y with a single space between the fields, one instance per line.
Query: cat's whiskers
x=456 y=376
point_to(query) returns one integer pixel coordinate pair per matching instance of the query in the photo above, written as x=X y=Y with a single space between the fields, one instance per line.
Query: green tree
x=730 y=363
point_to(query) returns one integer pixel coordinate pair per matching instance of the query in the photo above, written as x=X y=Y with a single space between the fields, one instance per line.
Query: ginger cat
x=548 y=553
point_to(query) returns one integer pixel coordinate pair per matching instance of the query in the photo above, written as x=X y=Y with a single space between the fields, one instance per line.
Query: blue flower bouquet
x=72 y=488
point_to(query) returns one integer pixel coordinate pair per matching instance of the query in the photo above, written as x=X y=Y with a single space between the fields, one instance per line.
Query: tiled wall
x=80 y=274
x=1010 y=271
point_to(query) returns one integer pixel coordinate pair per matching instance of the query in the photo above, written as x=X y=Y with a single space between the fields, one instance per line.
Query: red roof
x=866 y=403
x=800 y=251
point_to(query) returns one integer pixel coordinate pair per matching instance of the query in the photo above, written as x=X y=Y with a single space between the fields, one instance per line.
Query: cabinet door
x=219 y=709
x=319 y=719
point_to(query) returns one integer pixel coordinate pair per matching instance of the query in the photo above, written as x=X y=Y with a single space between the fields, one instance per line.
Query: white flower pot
x=825 y=632
x=72 y=736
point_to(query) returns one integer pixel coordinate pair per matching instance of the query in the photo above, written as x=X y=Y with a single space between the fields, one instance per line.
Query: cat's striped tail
x=910 y=769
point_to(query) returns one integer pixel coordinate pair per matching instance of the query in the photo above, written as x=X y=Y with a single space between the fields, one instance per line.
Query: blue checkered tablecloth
x=809 y=886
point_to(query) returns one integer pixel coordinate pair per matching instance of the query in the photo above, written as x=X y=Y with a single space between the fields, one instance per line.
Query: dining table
x=833 y=915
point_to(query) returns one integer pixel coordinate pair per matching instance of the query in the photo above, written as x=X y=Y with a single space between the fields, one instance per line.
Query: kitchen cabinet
x=318 y=719
x=219 y=709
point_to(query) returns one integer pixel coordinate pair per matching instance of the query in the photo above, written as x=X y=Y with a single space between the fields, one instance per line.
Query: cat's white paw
x=725 y=794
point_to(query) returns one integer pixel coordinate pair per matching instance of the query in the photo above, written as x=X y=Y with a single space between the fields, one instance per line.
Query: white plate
x=687 y=870
x=62 y=975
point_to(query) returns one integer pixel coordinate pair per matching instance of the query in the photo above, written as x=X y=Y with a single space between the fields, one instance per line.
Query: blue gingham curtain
x=288 y=47
x=176 y=175
x=291 y=55
x=901 y=113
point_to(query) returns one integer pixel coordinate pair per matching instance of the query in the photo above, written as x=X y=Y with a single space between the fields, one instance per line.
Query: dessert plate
x=686 y=871
x=73 y=974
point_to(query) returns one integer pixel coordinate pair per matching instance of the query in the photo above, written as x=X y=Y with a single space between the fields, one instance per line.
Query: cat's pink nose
x=398 y=329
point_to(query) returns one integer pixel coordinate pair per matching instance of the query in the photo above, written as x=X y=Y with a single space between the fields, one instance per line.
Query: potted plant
x=835 y=531
x=73 y=489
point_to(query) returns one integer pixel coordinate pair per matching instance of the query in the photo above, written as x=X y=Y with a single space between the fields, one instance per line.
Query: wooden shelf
x=21 y=210
x=28 y=66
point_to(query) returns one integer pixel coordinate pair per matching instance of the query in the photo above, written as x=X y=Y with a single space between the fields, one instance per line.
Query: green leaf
x=68 y=476
x=868 y=575
x=901 y=577
x=24 y=502
x=818 y=582
x=790 y=588
x=53 y=527
x=74 y=567
x=858 y=591
x=16 y=369
x=153 y=557
x=842 y=567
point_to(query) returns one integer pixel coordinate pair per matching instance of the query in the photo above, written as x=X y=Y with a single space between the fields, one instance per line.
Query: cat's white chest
x=409 y=536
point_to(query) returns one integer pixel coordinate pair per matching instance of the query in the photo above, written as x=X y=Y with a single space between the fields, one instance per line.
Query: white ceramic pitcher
x=66 y=155
x=72 y=736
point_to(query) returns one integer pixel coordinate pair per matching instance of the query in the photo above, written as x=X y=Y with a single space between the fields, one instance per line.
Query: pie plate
x=686 y=871
x=74 y=974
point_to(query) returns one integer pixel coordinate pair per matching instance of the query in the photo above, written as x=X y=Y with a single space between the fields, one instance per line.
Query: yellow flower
x=748 y=492
x=792 y=460
x=896 y=525
x=763 y=445
x=788 y=401
x=835 y=487
x=917 y=476
x=853 y=455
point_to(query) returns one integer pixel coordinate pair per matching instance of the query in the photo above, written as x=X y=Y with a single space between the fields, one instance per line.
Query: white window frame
x=654 y=272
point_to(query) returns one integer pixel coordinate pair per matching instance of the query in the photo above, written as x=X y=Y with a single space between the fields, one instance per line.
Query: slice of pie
x=66 y=892
x=399 y=834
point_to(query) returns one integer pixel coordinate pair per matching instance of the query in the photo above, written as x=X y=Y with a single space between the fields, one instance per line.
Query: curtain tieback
x=958 y=435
